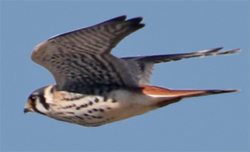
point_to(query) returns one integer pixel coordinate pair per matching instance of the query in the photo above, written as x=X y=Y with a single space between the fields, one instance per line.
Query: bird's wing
x=80 y=60
x=146 y=63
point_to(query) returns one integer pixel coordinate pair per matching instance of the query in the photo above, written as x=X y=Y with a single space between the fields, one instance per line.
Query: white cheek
x=40 y=107
x=48 y=96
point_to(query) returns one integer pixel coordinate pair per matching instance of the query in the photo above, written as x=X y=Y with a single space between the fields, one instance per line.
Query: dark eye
x=33 y=98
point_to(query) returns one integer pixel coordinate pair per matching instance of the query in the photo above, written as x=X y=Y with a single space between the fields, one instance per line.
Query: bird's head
x=37 y=102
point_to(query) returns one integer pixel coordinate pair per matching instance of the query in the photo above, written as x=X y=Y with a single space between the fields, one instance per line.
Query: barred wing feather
x=81 y=60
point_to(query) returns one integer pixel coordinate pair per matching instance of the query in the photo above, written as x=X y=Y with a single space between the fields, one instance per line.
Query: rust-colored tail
x=172 y=96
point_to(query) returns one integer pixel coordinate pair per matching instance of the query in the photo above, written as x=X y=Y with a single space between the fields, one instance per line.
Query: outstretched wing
x=80 y=60
x=146 y=63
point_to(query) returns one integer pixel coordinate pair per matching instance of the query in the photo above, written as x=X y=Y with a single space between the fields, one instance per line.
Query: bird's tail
x=171 y=96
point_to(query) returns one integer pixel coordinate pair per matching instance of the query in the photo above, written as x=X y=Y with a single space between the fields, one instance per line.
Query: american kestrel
x=93 y=87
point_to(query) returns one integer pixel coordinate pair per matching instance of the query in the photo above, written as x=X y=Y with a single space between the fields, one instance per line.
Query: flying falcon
x=93 y=87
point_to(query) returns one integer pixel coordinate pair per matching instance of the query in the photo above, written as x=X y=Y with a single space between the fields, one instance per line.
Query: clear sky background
x=210 y=123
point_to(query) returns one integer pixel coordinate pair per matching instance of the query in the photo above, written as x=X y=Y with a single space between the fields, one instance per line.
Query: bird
x=94 y=87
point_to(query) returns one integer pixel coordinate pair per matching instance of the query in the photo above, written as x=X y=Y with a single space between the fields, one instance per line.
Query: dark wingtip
x=233 y=51
x=119 y=18
x=136 y=20
x=218 y=48
x=116 y=19
x=133 y=21
x=215 y=51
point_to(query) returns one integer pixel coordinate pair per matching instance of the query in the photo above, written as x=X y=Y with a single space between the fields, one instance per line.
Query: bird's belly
x=99 y=110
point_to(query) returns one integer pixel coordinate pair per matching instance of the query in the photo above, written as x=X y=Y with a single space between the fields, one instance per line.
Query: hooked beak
x=25 y=110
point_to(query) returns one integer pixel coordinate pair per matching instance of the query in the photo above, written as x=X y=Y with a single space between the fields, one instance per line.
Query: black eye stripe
x=40 y=99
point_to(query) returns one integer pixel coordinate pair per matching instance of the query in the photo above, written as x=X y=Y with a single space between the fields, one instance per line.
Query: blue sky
x=210 y=123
